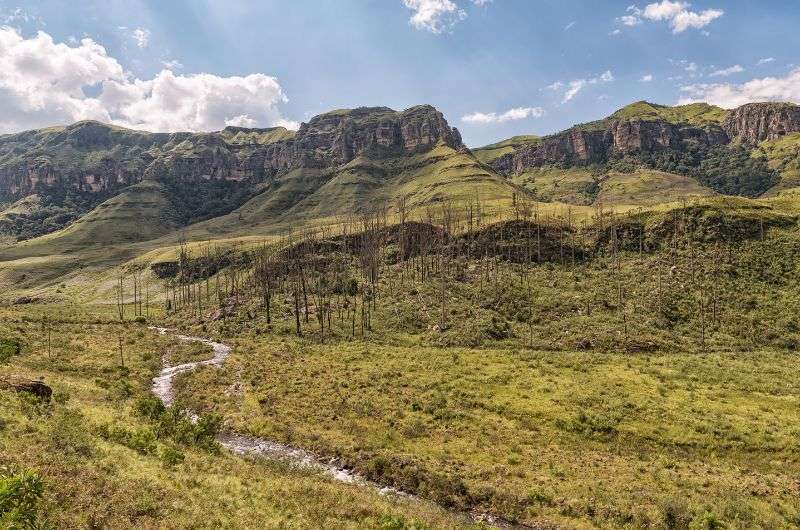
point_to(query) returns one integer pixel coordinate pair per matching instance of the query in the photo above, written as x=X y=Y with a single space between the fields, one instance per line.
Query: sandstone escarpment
x=337 y=137
x=756 y=122
x=599 y=141
x=91 y=157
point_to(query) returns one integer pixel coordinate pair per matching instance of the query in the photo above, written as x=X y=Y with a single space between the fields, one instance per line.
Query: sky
x=495 y=68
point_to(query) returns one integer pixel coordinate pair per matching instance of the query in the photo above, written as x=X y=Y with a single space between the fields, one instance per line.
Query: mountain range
x=67 y=189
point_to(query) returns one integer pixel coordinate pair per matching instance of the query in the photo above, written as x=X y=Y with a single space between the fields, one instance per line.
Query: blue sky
x=550 y=63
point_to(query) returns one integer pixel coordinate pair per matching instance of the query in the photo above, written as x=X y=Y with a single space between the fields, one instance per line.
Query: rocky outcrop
x=337 y=137
x=756 y=122
x=34 y=387
x=599 y=141
x=94 y=158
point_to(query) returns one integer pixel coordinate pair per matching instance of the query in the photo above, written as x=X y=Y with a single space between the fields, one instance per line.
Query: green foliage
x=732 y=171
x=20 y=498
x=8 y=348
x=176 y=424
x=171 y=456
x=726 y=169
x=143 y=441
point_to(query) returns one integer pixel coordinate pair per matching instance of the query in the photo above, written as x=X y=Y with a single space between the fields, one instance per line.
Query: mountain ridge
x=710 y=144
x=51 y=177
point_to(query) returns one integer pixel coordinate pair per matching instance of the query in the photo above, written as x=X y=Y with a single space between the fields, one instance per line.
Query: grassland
x=103 y=466
x=644 y=388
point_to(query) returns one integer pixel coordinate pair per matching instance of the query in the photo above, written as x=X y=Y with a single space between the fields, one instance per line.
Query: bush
x=171 y=457
x=67 y=435
x=143 y=441
x=9 y=348
x=20 y=495
x=176 y=424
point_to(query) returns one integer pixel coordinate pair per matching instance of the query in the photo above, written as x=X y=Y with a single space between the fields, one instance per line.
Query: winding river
x=250 y=446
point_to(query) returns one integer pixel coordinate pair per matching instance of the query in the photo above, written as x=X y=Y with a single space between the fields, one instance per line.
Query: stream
x=250 y=446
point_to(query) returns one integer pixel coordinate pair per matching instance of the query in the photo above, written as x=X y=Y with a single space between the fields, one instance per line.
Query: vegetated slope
x=72 y=169
x=715 y=147
x=572 y=360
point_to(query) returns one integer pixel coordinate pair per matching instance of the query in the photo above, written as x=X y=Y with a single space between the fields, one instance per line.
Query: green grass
x=580 y=439
x=488 y=153
x=696 y=114
x=93 y=479
x=648 y=188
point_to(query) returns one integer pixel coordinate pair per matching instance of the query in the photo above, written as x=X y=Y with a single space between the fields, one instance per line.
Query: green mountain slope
x=717 y=148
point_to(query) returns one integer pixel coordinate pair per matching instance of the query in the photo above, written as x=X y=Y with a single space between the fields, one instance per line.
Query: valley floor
x=550 y=439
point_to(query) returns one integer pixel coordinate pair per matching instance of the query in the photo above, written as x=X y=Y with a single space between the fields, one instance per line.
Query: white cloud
x=435 y=16
x=45 y=83
x=677 y=14
x=646 y=78
x=518 y=113
x=172 y=64
x=766 y=60
x=630 y=20
x=572 y=88
x=438 y=16
x=141 y=37
x=725 y=72
x=729 y=95
x=18 y=15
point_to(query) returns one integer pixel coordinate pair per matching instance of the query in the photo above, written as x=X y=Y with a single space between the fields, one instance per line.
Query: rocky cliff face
x=756 y=122
x=600 y=141
x=90 y=157
x=338 y=137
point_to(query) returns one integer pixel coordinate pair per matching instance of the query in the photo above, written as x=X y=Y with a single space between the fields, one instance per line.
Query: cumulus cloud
x=725 y=72
x=730 y=95
x=518 y=113
x=437 y=16
x=43 y=82
x=572 y=88
x=676 y=14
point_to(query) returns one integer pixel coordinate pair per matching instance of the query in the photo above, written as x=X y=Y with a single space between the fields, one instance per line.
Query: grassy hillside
x=783 y=156
x=696 y=114
x=592 y=186
x=490 y=152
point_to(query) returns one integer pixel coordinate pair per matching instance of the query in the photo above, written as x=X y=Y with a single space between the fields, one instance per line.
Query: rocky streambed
x=254 y=447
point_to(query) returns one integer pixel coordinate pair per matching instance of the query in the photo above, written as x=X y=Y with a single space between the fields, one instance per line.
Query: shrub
x=177 y=424
x=20 y=495
x=143 y=441
x=171 y=457
x=9 y=348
